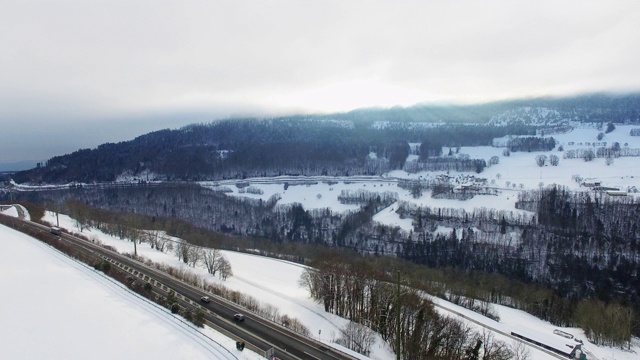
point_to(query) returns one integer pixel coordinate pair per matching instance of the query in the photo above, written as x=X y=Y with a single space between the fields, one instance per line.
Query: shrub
x=102 y=265
x=610 y=127
x=198 y=318
x=589 y=155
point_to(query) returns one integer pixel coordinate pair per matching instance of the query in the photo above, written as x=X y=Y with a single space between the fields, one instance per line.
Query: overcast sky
x=75 y=74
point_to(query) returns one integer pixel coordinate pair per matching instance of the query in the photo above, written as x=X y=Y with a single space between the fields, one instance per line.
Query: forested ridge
x=572 y=258
x=333 y=144
x=236 y=149
x=578 y=249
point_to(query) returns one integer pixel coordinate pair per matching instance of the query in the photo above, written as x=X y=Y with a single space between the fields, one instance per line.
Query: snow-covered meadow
x=55 y=307
x=512 y=174
x=273 y=282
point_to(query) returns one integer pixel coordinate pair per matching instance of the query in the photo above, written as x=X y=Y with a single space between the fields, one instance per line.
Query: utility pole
x=398 y=316
x=135 y=236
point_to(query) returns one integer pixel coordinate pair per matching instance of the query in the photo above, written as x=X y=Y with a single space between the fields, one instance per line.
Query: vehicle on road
x=205 y=299
x=55 y=230
x=238 y=317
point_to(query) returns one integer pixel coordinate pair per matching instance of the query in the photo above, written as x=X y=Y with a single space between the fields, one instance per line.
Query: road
x=258 y=334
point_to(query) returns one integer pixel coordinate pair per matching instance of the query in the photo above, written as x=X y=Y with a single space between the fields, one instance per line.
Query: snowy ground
x=519 y=168
x=54 y=307
x=275 y=282
x=271 y=281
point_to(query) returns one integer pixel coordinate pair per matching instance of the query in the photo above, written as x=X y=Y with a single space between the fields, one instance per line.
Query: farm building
x=616 y=193
x=591 y=183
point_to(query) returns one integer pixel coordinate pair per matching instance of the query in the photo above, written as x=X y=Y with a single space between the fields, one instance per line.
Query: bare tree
x=78 y=212
x=541 y=160
x=309 y=280
x=493 y=349
x=212 y=260
x=162 y=242
x=182 y=251
x=589 y=155
x=554 y=160
x=156 y=238
x=520 y=351
x=608 y=160
x=225 y=268
x=357 y=337
x=195 y=255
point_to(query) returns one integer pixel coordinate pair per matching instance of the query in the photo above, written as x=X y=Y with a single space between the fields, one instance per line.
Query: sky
x=75 y=74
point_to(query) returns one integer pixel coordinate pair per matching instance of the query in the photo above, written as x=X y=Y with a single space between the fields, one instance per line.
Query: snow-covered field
x=518 y=169
x=54 y=307
x=271 y=281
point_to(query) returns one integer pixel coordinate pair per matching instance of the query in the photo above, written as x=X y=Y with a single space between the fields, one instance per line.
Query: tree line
x=364 y=292
x=241 y=148
x=570 y=246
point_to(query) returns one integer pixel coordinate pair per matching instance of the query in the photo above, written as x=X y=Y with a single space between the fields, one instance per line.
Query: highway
x=258 y=334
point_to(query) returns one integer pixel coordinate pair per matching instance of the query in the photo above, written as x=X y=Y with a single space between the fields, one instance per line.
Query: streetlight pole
x=57 y=214
x=134 y=234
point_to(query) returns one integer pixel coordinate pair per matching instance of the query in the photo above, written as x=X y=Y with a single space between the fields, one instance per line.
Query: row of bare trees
x=612 y=328
x=403 y=316
x=570 y=245
x=212 y=259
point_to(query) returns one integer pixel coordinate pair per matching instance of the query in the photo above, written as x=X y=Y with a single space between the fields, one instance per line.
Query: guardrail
x=112 y=257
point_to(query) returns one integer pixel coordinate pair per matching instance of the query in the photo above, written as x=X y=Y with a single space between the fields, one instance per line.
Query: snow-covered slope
x=54 y=307
x=272 y=281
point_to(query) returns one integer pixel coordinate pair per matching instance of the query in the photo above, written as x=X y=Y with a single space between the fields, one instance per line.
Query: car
x=205 y=299
x=238 y=317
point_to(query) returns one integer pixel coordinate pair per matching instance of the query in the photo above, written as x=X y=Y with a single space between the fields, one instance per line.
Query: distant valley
x=535 y=196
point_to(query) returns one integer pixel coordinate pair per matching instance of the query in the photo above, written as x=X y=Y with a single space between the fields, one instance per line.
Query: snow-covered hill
x=54 y=307
x=274 y=282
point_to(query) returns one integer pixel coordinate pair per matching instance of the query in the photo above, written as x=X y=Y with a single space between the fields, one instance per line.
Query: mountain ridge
x=324 y=144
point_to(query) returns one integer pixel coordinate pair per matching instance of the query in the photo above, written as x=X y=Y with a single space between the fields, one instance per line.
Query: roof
x=560 y=343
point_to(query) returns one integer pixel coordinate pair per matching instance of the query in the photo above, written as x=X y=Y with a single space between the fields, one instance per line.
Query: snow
x=54 y=307
x=518 y=169
x=12 y=211
x=272 y=281
x=390 y=217
x=275 y=282
x=306 y=195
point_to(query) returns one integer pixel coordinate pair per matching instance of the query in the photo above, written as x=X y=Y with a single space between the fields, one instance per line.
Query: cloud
x=94 y=60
